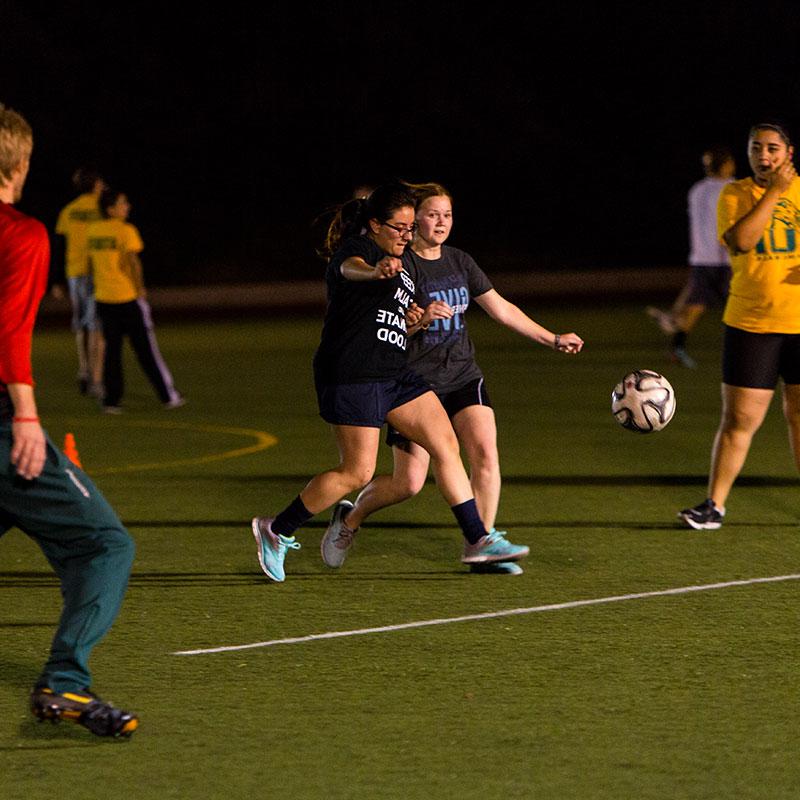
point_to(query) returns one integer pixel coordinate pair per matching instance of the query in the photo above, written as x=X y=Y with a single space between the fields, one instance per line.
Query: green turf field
x=690 y=695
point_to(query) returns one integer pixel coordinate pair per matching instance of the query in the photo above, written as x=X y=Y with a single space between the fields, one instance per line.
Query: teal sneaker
x=493 y=547
x=272 y=548
x=497 y=568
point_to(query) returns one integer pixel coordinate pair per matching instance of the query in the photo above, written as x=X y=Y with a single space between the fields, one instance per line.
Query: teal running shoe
x=493 y=547
x=497 y=568
x=272 y=548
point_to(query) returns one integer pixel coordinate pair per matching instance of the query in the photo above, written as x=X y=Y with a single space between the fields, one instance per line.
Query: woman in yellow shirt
x=758 y=220
x=114 y=247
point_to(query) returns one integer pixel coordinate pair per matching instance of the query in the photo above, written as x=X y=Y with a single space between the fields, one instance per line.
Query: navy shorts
x=708 y=285
x=367 y=404
x=471 y=394
x=757 y=360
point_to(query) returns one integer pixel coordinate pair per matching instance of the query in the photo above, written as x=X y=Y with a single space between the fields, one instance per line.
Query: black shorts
x=471 y=394
x=367 y=404
x=708 y=285
x=757 y=360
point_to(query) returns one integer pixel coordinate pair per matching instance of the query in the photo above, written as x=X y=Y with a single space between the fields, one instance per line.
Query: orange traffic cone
x=71 y=451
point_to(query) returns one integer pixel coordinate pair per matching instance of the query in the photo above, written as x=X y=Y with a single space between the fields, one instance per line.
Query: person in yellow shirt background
x=114 y=245
x=758 y=220
x=72 y=223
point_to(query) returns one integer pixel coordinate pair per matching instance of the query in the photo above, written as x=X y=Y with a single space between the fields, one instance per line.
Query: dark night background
x=568 y=135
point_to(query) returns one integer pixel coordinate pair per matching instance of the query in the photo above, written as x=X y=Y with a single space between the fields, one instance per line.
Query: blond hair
x=424 y=191
x=16 y=142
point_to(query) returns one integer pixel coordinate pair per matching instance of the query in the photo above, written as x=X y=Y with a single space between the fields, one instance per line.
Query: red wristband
x=25 y=419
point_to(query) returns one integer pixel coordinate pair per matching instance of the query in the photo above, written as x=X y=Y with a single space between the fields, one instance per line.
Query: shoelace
x=288 y=542
x=345 y=537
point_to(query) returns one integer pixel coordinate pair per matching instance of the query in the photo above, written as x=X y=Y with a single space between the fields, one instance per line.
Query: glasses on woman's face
x=403 y=230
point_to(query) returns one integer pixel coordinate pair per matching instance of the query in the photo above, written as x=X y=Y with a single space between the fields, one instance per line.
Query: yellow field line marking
x=263 y=441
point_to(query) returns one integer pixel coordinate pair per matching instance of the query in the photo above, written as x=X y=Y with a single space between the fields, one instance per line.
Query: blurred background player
x=114 y=246
x=758 y=218
x=361 y=191
x=72 y=224
x=710 y=273
x=41 y=492
x=441 y=351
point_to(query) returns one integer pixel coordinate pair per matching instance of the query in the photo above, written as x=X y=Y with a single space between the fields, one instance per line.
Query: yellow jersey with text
x=109 y=241
x=72 y=223
x=765 y=288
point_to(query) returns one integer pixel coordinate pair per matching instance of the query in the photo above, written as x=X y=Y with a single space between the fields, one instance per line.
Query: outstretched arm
x=500 y=310
x=356 y=269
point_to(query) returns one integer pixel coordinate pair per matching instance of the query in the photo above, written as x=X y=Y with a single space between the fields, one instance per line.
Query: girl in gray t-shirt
x=441 y=351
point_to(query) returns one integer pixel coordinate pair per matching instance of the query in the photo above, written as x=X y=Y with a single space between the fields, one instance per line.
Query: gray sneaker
x=338 y=538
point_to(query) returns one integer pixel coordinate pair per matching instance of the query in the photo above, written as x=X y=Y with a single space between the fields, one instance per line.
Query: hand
x=569 y=343
x=781 y=179
x=414 y=315
x=438 y=309
x=28 y=449
x=388 y=267
x=57 y=292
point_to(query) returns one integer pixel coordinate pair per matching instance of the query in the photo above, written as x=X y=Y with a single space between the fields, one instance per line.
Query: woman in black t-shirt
x=443 y=354
x=361 y=376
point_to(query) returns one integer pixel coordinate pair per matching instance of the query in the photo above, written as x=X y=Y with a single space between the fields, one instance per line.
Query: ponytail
x=352 y=217
x=350 y=220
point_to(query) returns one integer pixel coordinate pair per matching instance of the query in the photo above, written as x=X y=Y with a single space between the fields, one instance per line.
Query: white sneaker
x=663 y=319
x=176 y=402
x=338 y=538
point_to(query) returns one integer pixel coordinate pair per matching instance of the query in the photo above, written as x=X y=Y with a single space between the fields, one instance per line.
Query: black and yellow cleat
x=85 y=708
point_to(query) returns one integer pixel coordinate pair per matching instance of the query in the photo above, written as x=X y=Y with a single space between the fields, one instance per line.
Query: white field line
x=492 y=615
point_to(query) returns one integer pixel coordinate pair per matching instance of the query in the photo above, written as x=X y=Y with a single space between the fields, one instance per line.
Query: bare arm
x=137 y=273
x=356 y=269
x=745 y=234
x=513 y=317
x=28 y=447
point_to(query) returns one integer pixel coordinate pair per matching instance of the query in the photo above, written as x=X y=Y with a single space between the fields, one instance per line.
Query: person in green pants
x=41 y=492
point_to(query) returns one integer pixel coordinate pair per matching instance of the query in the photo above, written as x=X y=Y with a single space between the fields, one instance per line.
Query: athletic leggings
x=135 y=321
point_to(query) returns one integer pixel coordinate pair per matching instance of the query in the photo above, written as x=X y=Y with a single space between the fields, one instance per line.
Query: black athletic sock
x=679 y=340
x=467 y=516
x=291 y=518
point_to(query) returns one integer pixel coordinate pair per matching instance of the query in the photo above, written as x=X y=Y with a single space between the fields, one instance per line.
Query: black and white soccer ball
x=643 y=401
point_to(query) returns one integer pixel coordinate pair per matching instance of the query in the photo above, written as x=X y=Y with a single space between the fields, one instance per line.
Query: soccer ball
x=643 y=401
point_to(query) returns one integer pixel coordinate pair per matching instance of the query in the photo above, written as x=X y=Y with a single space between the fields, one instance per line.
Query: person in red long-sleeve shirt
x=41 y=492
